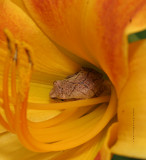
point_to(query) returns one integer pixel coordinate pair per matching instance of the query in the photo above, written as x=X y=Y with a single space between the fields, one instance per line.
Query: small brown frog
x=82 y=85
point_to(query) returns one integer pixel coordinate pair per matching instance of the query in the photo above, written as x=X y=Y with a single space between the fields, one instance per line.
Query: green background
x=132 y=38
x=115 y=157
x=137 y=36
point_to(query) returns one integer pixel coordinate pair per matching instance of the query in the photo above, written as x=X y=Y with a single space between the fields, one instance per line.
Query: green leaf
x=137 y=36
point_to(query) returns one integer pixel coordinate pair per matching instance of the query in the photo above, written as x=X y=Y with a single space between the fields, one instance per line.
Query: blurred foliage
x=137 y=36
x=115 y=157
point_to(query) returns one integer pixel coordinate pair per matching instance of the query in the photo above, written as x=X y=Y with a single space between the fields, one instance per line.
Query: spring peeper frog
x=82 y=85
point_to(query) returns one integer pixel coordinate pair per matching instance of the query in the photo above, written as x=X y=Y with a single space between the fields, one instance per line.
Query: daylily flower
x=43 y=41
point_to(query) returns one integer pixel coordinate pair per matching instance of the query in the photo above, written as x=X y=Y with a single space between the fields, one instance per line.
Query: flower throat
x=39 y=136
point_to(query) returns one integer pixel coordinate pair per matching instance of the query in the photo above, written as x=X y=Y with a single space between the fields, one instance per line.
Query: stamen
x=66 y=130
x=67 y=115
x=54 y=121
x=8 y=112
x=13 y=76
x=10 y=42
x=16 y=53
x=29 y=53
x=24 y=76
x=4 y=123
x=21 y=96
x=7 y=109
x=75 y=139
x=70 y=104
x=80 y=137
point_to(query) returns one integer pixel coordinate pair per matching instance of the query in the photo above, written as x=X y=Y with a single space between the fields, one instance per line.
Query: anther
x=15 y=57
x=10 y=41
x=29 y=53
x=8 y=44
x=29 y=56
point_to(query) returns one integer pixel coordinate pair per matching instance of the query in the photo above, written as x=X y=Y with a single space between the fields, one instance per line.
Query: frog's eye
x=57 y=83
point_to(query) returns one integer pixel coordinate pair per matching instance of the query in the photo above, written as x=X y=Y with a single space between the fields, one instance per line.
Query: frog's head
x=56 y=90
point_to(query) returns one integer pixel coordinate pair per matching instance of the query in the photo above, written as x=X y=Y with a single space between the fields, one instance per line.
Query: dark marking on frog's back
x=82 y=85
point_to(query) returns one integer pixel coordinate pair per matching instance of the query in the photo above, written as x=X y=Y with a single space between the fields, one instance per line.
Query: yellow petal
x=11 y=149
x=2 y=129
x=137 y=23
x=131 y=139
x=86 y=151
x=105 y=152
x=94 y=30
x=48 y=58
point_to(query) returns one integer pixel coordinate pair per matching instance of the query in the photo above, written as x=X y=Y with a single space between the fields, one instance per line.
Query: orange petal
x=95 y=29
x=105 y=35
x=61 y=20
x=20 y=4
x=48 y=58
